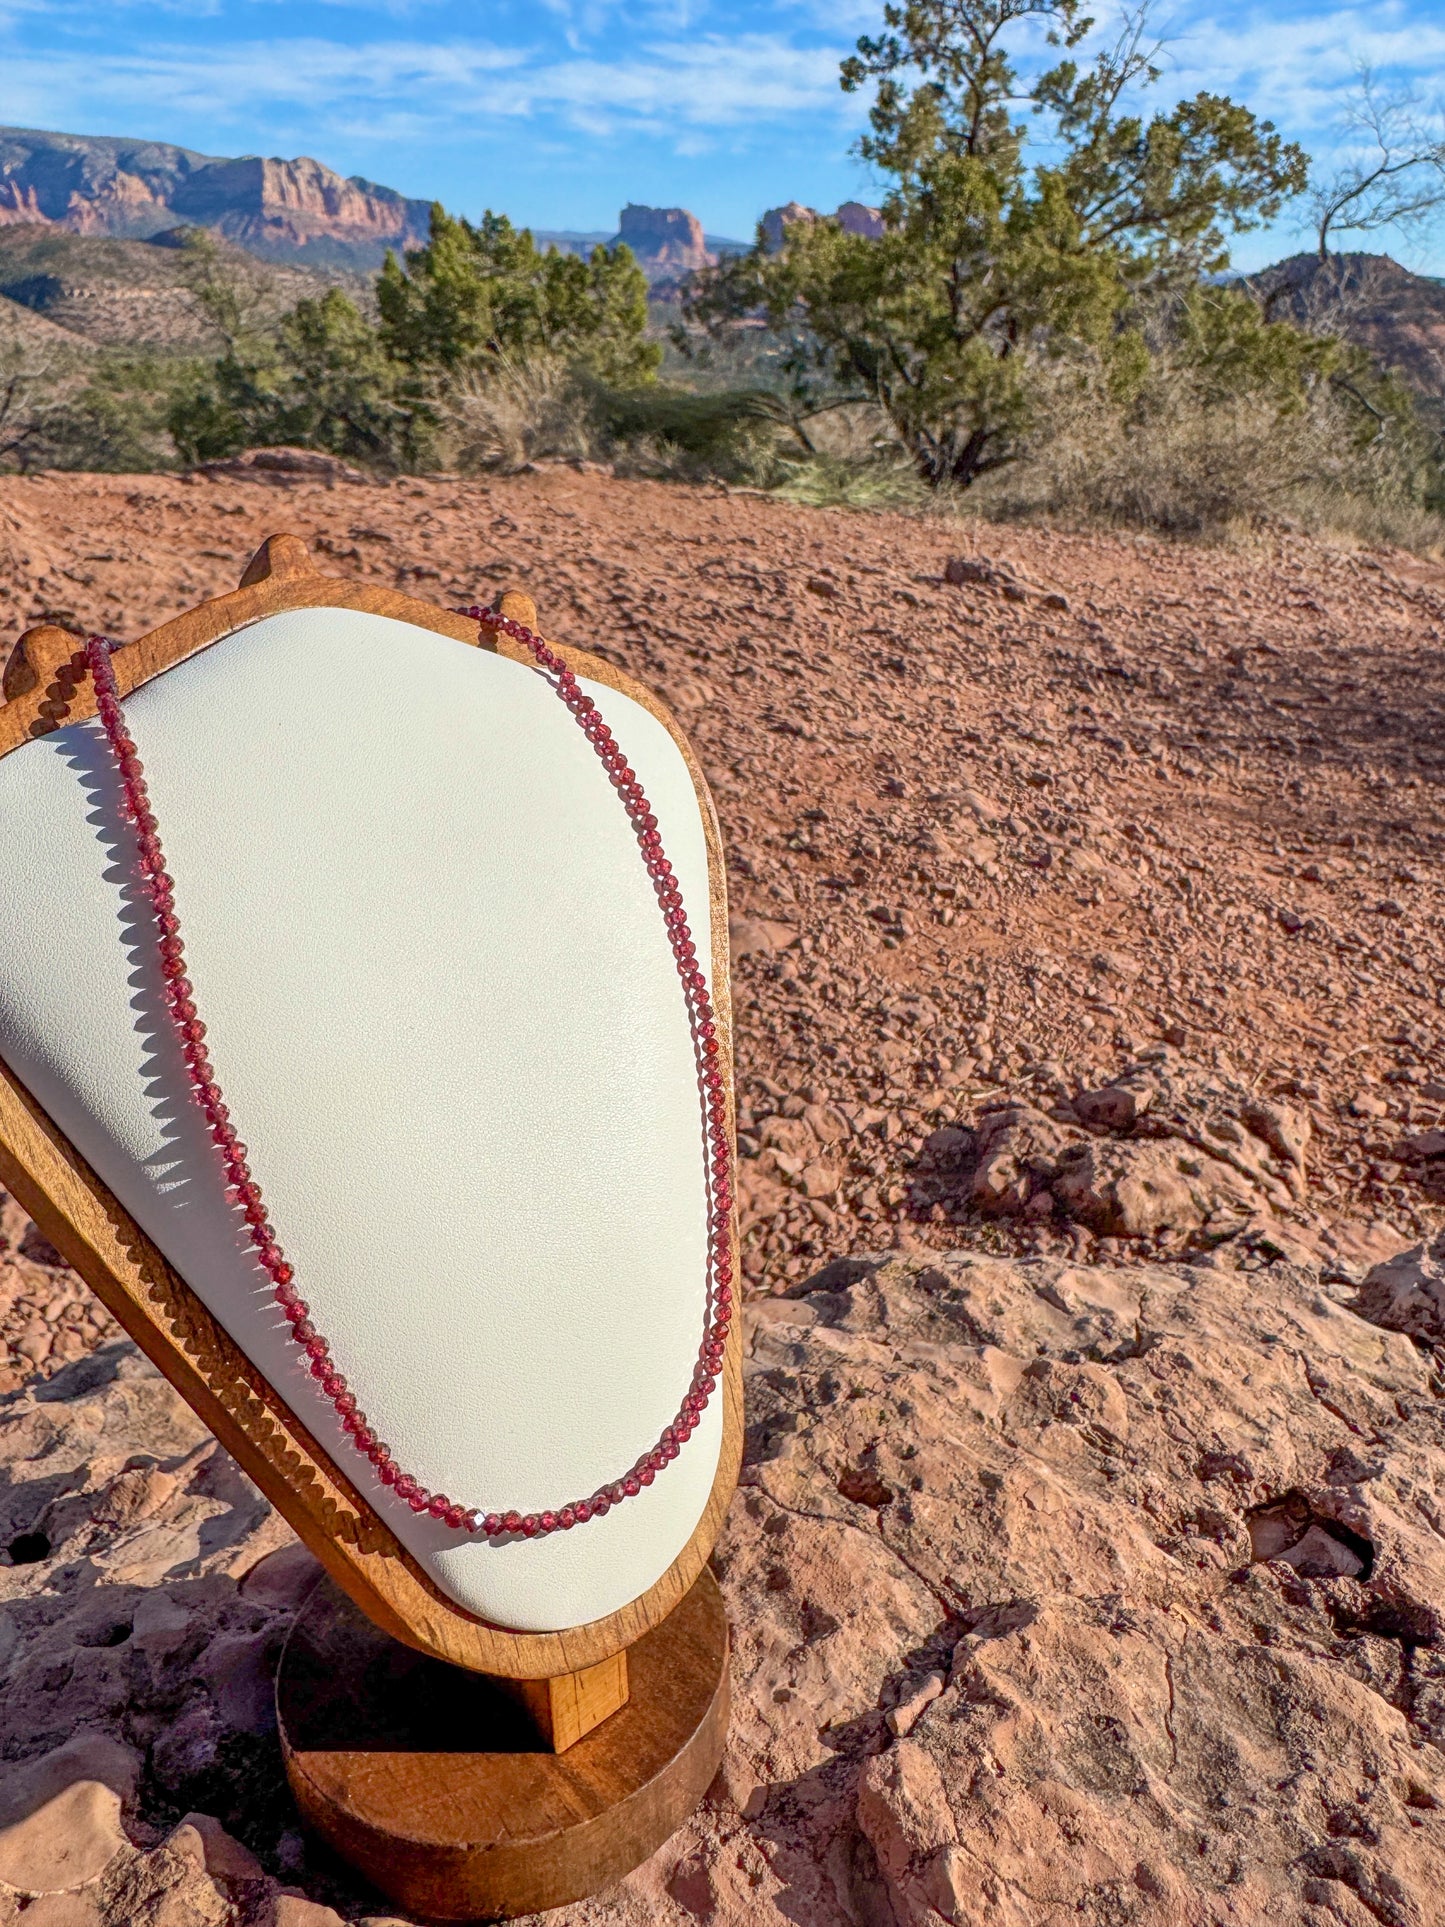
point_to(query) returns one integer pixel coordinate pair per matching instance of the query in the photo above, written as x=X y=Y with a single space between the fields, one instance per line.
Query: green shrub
x=994 y=253
x=475 y=295
x=325 y=382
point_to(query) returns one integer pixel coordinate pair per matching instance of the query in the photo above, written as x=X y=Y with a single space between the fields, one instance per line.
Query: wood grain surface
x=565 y=1708
x=433 y=1786
x=85 y=1222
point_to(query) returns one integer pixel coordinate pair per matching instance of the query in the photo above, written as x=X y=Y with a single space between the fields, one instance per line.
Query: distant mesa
x=297 y=212
x=291 y=211
x=666 y=240
x=854 y=217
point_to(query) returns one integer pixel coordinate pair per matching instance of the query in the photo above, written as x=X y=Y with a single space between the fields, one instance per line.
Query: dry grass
x=1176 y=462
x=524 y=411
x=1171 y=461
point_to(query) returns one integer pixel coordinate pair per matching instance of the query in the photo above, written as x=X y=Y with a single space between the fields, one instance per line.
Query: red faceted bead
x=512 y=1521
x=549 y=1522
x=531 y=1526
x=492 y=1525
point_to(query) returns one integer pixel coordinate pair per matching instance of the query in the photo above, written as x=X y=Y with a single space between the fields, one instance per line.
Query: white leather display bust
x=443 y=1010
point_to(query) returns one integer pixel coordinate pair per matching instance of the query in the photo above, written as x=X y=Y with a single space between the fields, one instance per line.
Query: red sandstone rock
x=855 y=217
x=293 y=208
x=666 y=240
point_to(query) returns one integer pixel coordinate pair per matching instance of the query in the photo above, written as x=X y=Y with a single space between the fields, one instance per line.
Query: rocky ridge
x=280 y=209
x=83 y=292
x=1371 y=299
x=297 y=213
x=1089 y=1562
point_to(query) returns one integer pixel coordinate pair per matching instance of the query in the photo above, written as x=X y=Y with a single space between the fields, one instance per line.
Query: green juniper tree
x=474 y=300
x=475 y=294
x=990 y=257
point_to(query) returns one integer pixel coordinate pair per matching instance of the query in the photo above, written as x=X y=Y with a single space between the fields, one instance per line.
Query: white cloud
x=408 y=88
x=1293 y=68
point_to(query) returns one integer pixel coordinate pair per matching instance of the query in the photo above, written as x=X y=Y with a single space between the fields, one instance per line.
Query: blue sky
x=558 y=111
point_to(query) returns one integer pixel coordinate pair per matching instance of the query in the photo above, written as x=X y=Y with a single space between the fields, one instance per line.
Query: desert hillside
x=1090 y=984
x=280 y=209
x=94 y=291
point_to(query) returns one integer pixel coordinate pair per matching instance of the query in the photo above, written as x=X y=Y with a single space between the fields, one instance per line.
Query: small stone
x=202 y=1839
x=905 y=1715
x=759 y=936
x=819 y=1180
x=1320 y=1555
x=295 y=1910
x=1406 y=1293
x=1366 y=1104
x=1116 y=1108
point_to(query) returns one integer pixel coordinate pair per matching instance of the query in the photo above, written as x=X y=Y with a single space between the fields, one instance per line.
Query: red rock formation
x=295 y=205
x=666 y=240
x=19 y=205
x=778 y=220
x=854 y=217
x=1014 y=1540
x=282 y=209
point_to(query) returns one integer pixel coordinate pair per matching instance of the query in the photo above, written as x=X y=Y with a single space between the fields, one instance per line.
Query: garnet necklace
x=243 y=1190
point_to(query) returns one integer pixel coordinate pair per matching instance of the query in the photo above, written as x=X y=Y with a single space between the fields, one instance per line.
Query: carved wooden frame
x=46 y=684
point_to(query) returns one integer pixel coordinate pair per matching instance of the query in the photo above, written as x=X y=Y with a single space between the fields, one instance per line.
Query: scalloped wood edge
x=84 y=1221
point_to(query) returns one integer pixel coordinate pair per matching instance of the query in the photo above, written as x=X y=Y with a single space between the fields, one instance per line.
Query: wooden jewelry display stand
x=439 y=1787
x=467 y=1770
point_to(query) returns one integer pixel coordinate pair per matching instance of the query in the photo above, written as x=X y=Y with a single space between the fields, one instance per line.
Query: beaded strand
x=243 y=1190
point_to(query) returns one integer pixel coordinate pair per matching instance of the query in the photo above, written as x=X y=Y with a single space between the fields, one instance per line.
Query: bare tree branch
x=1397 y=178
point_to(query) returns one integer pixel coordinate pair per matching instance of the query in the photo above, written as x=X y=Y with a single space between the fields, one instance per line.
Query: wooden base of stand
x=436 y=1785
